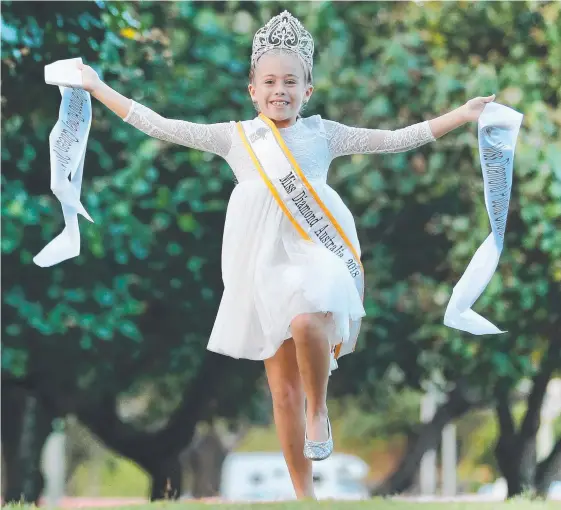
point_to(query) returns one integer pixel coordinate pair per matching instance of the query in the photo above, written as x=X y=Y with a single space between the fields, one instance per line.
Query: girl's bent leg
x=288 y=410
x=313 y=353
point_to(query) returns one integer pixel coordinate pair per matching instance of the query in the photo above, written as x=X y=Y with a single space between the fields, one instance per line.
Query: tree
x=136 y=307
x=421 y=215
x=152 y=270
x=516 y=449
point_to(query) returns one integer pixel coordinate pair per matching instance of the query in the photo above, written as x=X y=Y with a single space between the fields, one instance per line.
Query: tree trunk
x=548 y=470
x=428 y=438
x=158 y=452
x=507 y=453
x=26 y=424
x=516 y=450
x=166 y=479
x=204 y=460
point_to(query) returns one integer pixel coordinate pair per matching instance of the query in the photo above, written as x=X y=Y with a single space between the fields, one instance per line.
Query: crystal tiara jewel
x=283 y=32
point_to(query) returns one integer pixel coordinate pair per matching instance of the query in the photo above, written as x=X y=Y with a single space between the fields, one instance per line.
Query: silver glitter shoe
x=319 y=450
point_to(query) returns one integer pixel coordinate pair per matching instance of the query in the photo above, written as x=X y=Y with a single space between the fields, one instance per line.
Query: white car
x=554 y=491
x=499 y=490
x=262 y=476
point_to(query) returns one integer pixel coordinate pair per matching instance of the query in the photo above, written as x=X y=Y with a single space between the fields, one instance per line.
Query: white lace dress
x=270 y=274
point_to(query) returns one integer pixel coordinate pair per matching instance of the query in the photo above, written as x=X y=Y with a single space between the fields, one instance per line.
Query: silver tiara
x=283 y=32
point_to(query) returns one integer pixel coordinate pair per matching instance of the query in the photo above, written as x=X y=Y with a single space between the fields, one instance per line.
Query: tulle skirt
x=271 y=275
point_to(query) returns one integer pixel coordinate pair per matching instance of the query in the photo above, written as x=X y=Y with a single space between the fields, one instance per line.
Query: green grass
x=377 y=504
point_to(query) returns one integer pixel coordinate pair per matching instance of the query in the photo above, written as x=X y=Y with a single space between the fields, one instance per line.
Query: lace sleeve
x=343 y=140
x=215 y=138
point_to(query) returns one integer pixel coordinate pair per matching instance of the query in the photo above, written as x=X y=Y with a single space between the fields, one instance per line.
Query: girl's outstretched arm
x=456 y=118
x=343 y=140
x=215 y=138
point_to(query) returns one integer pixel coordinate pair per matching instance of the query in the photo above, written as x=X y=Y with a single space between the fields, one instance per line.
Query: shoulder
x=316 y=123
x=328 y=128
x=313 y=122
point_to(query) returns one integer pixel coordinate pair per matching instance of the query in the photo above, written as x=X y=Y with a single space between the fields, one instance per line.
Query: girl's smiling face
x=279 y=85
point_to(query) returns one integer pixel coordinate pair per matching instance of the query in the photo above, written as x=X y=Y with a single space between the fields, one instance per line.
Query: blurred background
x=107 y=388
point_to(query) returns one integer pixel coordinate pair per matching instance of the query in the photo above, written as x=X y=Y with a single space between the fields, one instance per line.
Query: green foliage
x=421 y=216
x=117 y=477
x=396 y=415
x=138 y=304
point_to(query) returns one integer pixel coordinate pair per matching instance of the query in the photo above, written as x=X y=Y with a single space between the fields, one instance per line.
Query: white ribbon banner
x=498 y=128
x=67 y=143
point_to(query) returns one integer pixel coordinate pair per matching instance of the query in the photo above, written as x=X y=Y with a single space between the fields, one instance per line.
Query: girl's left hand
x=474 y=107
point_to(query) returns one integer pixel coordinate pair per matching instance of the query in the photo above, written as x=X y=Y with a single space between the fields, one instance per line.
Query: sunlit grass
x=377 y=504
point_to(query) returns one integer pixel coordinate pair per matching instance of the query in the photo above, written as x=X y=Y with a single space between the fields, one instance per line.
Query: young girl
x=291 y=257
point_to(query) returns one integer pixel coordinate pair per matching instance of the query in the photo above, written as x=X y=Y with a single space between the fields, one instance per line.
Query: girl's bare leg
x=288 y=409
x=313 y=353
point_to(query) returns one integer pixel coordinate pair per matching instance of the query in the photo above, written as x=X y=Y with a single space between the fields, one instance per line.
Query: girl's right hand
x=90 y=79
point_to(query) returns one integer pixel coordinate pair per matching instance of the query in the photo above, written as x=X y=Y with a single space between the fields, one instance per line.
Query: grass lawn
x=377 y=504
